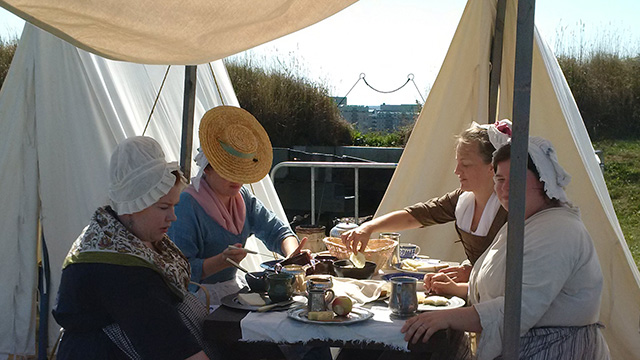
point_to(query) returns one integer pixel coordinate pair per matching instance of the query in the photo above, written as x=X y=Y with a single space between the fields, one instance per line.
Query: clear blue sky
x=388 y=39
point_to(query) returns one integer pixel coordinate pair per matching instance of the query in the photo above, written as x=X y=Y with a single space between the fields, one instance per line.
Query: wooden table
x=222 y=327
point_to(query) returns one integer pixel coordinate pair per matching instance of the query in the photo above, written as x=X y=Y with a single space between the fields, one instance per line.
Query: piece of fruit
x=342 y=305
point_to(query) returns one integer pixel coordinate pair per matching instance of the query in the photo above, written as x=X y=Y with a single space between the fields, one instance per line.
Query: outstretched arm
x=358 y=238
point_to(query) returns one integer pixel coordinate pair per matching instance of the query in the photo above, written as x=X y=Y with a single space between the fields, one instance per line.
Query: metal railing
x=334 y=165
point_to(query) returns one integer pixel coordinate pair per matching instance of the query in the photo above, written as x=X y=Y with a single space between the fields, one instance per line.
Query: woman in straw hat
x=561 y=280
x=216 y=211
x=123 y=271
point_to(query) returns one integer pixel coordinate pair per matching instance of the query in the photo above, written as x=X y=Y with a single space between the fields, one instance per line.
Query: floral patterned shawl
x=106 y=240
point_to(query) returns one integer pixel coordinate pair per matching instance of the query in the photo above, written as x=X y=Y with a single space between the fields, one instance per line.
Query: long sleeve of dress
x=188 y=233
x=561 y=281
x=265 y=225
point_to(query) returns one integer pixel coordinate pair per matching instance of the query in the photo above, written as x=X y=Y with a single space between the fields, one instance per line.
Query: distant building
x=383 y=118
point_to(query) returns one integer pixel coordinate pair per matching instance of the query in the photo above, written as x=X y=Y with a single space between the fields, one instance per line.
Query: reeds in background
x=603 y=72
x=293 y=109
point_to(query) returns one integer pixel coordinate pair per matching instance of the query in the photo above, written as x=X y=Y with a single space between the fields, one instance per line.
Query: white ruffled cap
x=499 y=132
x=139 y=175
x=555 y=178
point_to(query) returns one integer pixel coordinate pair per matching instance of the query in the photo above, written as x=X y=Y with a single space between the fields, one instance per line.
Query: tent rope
x=363 y=78
x=215 y=81
x=156 y=101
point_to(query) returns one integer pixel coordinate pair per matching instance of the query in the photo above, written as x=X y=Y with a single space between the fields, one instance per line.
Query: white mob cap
x=555 y=178
x=499 y=132
x=139 y=175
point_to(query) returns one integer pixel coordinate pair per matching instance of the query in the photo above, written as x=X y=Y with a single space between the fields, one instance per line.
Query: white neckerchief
x=466 y=207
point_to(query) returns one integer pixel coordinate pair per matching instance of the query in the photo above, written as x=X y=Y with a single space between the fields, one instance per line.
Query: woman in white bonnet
x=123 y=292
x=561 y=280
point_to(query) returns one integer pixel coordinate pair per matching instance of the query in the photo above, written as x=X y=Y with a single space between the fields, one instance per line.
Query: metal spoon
x=241 y=268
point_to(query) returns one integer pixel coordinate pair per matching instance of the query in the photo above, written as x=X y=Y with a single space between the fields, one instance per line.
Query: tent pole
x=188 y=110
x=517 y=182
x=496 y=60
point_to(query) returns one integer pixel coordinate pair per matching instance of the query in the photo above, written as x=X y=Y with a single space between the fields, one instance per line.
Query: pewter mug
x=403 y=301
x=319 y=293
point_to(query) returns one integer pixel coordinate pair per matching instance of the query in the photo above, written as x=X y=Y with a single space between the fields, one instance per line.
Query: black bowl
x=345 y=268
x=258 y=285
x=323 y=265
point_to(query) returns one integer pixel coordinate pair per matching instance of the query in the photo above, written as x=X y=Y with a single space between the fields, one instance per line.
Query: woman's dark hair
x=479 y=136
x=504 y=153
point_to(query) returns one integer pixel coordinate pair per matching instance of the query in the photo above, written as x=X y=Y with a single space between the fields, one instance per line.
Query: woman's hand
x=459 y=274
x=235 y=253
x=291 y=247
x=424 y=325
x=357 y=238
x=440 y=283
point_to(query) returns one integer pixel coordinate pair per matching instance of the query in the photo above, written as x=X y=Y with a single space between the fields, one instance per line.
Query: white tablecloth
x=276 y=327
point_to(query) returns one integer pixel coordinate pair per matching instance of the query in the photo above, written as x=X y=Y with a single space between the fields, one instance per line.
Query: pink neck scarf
x=231 y=219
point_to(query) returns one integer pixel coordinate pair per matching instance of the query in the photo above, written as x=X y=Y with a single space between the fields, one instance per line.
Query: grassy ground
x=622 y=174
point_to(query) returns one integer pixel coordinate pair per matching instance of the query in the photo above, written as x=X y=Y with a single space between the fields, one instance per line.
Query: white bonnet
x=499 y=132
x=139 y=175
x=554 y=177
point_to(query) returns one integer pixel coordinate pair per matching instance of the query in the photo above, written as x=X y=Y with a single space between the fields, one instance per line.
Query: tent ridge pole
x=496 y=60
x=188 y=110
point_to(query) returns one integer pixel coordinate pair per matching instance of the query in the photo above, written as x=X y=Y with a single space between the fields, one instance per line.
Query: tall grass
x=292 y=109
x=603 y=72
x=7 y=50
x=622 y=174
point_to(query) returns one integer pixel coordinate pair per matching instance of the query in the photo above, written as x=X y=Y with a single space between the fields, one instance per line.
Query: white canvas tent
x=460 y=95
x=62 y=111
x=42 y=135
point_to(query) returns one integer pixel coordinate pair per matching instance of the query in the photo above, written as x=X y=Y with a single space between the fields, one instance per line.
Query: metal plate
x=432 y=263
x=356 y=315
x=454 y=302
x=269 y=265
x=231 y=301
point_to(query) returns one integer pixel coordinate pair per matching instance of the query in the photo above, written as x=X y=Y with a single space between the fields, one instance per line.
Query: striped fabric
x=118 y=337
x=564 y=343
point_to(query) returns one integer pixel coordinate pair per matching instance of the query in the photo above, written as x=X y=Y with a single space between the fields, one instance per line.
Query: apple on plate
x=342 y=305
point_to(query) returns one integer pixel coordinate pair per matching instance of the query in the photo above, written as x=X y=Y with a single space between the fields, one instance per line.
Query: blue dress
x=199 y=236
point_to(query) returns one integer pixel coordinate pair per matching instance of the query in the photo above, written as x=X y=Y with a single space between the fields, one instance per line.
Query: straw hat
x=235 y=144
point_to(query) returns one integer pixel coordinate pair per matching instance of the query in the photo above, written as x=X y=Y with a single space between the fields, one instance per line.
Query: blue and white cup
x=408 y=251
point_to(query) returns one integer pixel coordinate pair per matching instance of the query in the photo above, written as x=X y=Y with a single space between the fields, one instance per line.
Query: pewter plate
x=356 y=315
x=232 y=301
x=454 y=302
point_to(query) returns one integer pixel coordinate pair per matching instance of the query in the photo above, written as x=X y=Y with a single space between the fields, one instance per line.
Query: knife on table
x=271 y=306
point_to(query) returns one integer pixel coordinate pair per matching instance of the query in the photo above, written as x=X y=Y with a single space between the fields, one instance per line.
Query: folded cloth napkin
x=360 y=291
x=275 y=326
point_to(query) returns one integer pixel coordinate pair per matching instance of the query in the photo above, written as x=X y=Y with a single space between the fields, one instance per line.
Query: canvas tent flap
x=450 y=108
x=171 y=32
x=62 y=111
